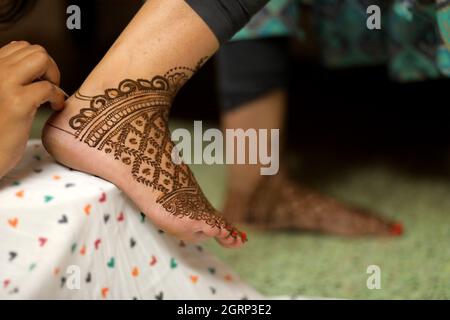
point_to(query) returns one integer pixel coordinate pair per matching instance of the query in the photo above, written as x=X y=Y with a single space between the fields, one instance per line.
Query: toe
x=396 y=229
x=212 y=231
x=232 y=238
x=223 y=233
x=226 y=242
x=231 y=242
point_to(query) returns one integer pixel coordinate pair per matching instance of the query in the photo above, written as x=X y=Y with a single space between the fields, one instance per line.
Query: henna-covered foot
x=122 y=135
x=279 y=203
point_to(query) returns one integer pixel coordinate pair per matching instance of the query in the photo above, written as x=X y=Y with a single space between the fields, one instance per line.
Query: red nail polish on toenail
x=244 y=237
x=396 y=229
x=234 y=233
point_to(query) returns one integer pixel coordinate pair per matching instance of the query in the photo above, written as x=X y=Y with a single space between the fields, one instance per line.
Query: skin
x=277 y=202
x=265 y=112
x=29 y=78
x=164 y=37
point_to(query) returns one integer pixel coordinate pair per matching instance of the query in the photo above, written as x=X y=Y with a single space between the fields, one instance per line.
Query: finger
x=36 y=65
x=12 y=47
x=24 y=52
x=41 y=92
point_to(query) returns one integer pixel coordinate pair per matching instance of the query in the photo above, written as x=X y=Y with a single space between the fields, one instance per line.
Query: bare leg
x=115 y=126
x=266 y=112
x=279 y=202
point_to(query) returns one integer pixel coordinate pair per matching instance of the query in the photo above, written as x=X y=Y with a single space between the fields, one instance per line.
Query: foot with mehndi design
x=122 y=135
x=278 y=203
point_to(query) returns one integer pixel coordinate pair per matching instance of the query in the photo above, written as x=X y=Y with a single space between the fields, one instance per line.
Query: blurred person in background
x=414 y=42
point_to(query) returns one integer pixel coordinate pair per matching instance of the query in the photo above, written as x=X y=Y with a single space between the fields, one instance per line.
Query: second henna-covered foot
x=278 y=203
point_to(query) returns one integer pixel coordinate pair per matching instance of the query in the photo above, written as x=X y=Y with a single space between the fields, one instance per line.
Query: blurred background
x=352 y=132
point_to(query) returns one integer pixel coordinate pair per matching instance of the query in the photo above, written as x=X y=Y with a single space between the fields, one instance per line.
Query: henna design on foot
x=129 y=123
x=280 y=203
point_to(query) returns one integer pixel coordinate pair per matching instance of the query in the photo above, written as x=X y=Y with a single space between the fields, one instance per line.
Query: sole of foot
x=61 y=142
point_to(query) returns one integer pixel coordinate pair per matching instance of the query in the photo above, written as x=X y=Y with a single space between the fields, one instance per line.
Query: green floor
x=416 y=266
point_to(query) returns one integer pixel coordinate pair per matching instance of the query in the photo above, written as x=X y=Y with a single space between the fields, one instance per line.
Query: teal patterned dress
x=414 y=39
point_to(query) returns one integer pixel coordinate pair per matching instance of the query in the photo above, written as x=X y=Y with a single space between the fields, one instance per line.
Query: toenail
x=396 y=229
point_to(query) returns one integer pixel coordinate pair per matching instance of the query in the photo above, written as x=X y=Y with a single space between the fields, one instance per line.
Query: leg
x=115 y=126
x=265 y=112
x=254 y=96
